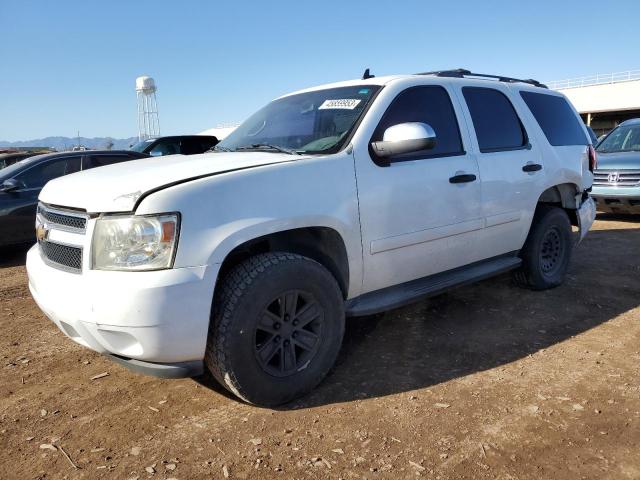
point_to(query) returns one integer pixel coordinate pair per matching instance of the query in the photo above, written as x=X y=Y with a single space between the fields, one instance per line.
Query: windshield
x=622 y=139
x=140 y=146
x=312 y=122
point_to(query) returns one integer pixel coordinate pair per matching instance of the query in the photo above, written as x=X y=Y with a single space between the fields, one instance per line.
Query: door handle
x=463 y=178
x=532 y=167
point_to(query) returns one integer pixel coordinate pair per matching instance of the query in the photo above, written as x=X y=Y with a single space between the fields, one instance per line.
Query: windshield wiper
x=267 y=147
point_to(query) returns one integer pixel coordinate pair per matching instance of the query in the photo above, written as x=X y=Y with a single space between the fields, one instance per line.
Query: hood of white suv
x=116 y=188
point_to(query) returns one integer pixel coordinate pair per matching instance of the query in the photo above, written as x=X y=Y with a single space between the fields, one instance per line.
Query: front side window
x=165 y=147
x=625 y=138
x=39 y=175
x=428 y=104
x=141 y=146
x=495 y=121
x=556 y=118
x=313 y=122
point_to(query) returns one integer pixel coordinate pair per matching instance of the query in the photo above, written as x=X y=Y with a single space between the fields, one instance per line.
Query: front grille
x=616 y=178
x=61 y=256
x=63 y=220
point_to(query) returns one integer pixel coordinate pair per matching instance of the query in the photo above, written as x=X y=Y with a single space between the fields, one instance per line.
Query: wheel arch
x=562 y=195
x=323 y=244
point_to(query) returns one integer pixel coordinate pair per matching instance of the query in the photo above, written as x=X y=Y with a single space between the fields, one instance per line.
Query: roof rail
x=462 y=73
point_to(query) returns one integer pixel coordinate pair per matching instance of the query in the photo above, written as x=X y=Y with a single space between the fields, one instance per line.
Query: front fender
x=221 y=212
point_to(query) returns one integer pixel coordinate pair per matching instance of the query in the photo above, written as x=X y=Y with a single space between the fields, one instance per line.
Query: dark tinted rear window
x=556 y=118
x=94 y=161
x=495 y=120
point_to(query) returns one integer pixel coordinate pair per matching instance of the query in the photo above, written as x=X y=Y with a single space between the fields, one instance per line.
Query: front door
x=420 y=214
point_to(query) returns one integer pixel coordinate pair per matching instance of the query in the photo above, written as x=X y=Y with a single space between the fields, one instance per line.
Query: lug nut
x=276 y=338
x=295 y=322
x=286 y=343
x=286 y=317
x=277 y=325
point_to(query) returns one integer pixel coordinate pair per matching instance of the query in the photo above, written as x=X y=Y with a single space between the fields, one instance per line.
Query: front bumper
x=616 y=199
x=156 y=322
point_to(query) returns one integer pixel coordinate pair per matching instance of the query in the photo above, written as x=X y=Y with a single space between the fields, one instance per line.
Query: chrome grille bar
x=616 y=178
x=66 y=220
x=61 y=256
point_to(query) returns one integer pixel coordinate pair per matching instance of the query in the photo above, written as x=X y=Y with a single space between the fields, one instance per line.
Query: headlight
x=134 y=242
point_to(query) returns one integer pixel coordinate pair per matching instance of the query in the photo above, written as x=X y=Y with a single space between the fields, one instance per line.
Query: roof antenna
x=366 y=75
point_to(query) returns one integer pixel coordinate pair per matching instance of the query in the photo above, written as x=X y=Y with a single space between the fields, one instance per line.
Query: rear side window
x=94 y=161
x=494 y=119
x=556 y=119
x=192 y=146
x=427 y=104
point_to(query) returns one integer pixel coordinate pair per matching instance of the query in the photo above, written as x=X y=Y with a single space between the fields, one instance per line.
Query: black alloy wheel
x=288 y=333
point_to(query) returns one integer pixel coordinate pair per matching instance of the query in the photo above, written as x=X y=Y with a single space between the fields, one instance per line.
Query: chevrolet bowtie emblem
x=42 y=233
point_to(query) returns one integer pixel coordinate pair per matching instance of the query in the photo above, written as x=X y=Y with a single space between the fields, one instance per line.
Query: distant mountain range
x=65 y=143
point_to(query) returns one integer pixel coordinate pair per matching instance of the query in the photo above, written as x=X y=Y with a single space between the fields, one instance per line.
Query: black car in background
x=7 y=159
x=20 y=185
x=178 y=144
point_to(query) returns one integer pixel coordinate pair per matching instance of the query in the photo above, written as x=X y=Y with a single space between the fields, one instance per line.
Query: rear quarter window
x=94 y=161
x=556 y=119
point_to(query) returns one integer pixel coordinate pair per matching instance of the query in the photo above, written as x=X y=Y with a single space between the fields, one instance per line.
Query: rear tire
x=547 y=250
x=276 y=328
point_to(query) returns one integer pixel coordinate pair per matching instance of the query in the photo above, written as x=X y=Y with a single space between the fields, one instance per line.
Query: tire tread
x=233 y=287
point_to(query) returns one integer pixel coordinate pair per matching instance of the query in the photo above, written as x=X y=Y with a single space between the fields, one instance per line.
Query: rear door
x=510 y=164
x=415 y=220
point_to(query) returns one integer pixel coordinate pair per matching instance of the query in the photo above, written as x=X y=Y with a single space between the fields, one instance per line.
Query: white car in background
x=340 y=200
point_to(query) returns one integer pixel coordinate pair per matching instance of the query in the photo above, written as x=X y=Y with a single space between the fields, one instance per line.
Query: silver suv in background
x=616 y=183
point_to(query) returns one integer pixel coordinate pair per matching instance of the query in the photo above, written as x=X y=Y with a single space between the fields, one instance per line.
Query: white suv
x=341 y=200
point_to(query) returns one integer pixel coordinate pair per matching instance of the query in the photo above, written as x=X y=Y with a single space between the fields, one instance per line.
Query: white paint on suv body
x=397 y=223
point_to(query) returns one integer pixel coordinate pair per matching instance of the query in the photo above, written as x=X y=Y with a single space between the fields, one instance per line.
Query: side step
x=415 y=290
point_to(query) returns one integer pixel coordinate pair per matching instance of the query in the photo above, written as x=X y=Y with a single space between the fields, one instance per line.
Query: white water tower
x=148 y=120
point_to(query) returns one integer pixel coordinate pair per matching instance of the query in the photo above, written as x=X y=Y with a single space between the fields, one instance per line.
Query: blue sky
x=71 y=65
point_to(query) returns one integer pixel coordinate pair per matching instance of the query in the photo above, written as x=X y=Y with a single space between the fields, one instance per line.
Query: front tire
x=276 y=328
x=547 y=250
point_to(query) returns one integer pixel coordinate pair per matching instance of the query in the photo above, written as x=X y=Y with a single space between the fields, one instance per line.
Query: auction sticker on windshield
x=340 y=103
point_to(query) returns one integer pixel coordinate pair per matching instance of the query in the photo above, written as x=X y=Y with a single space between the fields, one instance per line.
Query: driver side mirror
x=9 y=185
x=405 y=138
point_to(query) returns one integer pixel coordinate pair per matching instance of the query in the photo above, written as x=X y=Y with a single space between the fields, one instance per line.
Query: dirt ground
x=487 y=381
